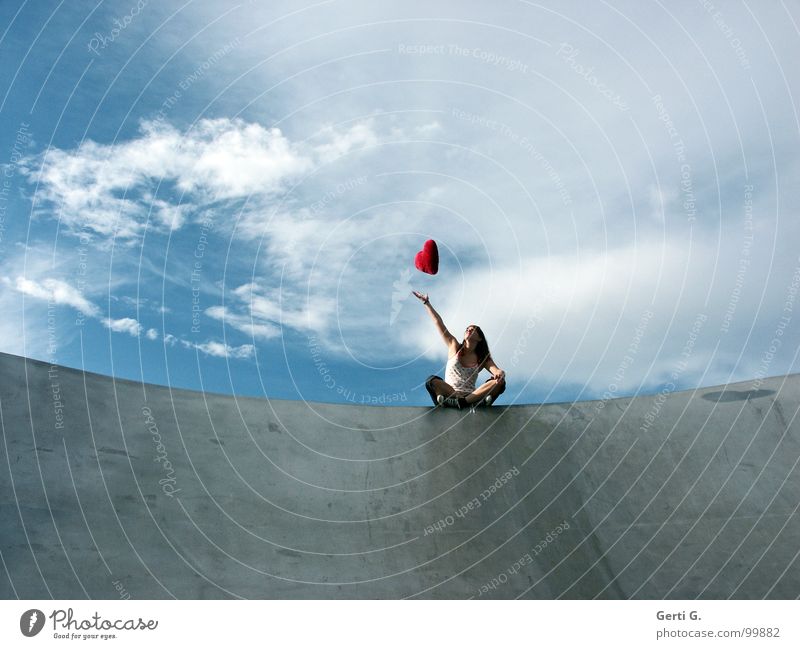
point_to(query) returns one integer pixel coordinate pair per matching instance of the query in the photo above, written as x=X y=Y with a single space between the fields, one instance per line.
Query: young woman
x=465 y=361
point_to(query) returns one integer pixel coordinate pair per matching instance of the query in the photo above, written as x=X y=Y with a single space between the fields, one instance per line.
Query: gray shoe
x=449 y=402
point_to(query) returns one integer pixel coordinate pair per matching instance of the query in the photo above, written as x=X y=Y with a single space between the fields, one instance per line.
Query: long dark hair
x=481 y=349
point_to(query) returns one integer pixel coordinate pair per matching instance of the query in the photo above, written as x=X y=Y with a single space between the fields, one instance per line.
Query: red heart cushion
x=427 y=259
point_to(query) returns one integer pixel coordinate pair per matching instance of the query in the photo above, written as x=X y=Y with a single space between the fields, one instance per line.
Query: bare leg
x=442 y=388
x=491 y=386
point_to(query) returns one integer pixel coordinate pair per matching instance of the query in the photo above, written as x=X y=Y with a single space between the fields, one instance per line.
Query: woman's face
x=472 y=334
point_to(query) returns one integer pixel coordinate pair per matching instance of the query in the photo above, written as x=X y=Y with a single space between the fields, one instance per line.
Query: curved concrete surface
x=116 y=489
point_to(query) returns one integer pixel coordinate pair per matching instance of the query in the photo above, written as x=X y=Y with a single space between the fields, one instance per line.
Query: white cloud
x=124 y=325
x=56 y=291
x=172 y=217
x=218 y=159
x=36 y=279
x=212 y=347
x=231 y=158
x=427 y=130
x=336 y=144
x=16 y=333
x=266 y=309
x=572 y=319
x=107 y=188
x=246 y=323
x=59 y=292
x=261 y=317
x=222 y=350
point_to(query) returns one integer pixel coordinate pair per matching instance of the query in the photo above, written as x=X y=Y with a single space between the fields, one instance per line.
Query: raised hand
x=422 y=298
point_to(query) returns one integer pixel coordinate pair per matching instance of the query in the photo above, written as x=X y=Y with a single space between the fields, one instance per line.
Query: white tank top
x=460 y=377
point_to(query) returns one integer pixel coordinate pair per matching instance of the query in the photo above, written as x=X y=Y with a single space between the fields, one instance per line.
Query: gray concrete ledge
x=116 y=489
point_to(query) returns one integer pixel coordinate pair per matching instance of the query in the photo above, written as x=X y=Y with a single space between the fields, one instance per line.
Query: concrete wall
x=141 y=491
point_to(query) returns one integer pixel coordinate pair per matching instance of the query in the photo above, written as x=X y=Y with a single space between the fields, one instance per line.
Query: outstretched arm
x=449 y=339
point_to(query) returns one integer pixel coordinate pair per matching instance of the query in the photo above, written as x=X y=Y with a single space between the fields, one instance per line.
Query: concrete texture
x=117 y=489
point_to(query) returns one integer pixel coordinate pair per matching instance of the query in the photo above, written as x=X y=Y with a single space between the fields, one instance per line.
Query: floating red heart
x=427 y=259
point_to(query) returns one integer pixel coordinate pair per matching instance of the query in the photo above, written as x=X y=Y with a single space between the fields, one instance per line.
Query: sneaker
x=487 y=400
x=449 y=402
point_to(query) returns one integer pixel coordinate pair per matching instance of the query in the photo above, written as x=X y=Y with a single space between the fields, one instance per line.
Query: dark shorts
x=431 y=391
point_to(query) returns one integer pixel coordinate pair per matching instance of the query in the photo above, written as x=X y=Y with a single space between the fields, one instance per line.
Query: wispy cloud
x=260 y=316
x=222 y=350
x=59 y=292
x=108 y=189
x=123 y=325
x=55 y=291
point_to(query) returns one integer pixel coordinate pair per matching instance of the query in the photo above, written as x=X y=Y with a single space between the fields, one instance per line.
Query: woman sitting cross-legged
x=465 y=361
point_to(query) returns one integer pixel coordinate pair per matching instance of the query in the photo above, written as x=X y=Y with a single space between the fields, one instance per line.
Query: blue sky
x=230 y=197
